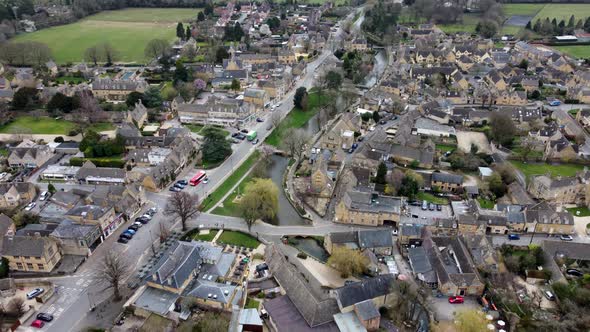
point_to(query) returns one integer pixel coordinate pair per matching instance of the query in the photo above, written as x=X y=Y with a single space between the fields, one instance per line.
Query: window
x=19 y=266
x=26 y=257
x=50 y=251
x=41 y=266
x=29 y=266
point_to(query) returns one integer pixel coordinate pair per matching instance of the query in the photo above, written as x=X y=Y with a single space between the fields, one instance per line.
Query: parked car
x=259 y=120
x=565 y=237
x=154 y=209
x=126 y=236
x=34 y=293
x=179 y=186
x=382 y=122
x=245 y=131
x=574 y=272
x=206 y=181
x=355 y=145
x=431 y=206
x=44 y=317
x=182 y=182
x=424 y=205
x=255 y=141
x=123 y=240
x=3 y=174
x=134 y=227
x=44 y=195
x=549 y=295
x=138 y=224
x=30 y=206
x=147 y=216
x=38 y=323
x=456 y=299
x=235 y=134
x=174 y=189
x=241 y=137
x=130 y=231
x=438 y=207
x=513 y=237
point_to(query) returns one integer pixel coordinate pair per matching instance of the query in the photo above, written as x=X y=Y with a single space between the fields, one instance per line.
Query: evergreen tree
x=587 y=25
x=537 y=26
x=580 y=24
x=528 y=25
x=180 y=31
x=188 y=33
x=571 y=22
x=201 y=17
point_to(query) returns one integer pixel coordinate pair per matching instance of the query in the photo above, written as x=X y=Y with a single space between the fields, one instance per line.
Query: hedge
x=116 y=163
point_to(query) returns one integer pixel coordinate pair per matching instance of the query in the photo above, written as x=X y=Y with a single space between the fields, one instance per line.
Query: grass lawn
x=251 y=304
x=127 y=30
x=238 y=239
x=530 y=169
x=524 y=9
x=431 y=198
x=195 y=128
x=485 y=203
x=70 y=80
x=583 y=211
x=468 y=24
x=229 y=183
x=42 y=125
x=445 y=147
x=230 y=208
x=102 y=126
x=574 y=112
x=296 y=118
x=579 y=51
x=563 y=12
x=4 y=152
x=206 y=237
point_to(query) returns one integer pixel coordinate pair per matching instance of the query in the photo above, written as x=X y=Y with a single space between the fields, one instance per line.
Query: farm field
x=564 y=11
x=580 y=51
x=127 y=30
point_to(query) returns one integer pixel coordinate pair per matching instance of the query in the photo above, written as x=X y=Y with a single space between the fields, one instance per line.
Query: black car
x=235 y=134
x=123 y=240
x=241 y=137
x=125 y=236
x=182 y=182
x=142 y=220
x=574 y=272
x=438 y=207
x=44 y=317
x=245 y=131
x=134 y=227
x=259 y=120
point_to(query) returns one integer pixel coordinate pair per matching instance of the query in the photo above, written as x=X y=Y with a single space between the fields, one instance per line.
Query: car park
x=513 y=237
x=565 y=237
x=30 y=206
x=130 y=231
x=38 y=323
x=35 y=292
x=456 y=299
x=424 y=205
x=44 y=317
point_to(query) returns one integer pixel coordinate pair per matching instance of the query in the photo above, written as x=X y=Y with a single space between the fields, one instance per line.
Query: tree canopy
x=216 y=147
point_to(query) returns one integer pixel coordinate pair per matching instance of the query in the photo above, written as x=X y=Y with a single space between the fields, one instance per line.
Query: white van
x=44 y=195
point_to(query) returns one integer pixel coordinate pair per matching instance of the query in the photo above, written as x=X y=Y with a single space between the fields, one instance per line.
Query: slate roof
x=374 y=239
x=287 y=317
x=366 y=310
x=369 y=202
x=25 y=246
x=156 y=300
x=447 y=178
x=67 y=229
x=419 y=260
x=90 y=212
x=366 y=289
x=572 y=250
x=201 y=289
x=176 y=266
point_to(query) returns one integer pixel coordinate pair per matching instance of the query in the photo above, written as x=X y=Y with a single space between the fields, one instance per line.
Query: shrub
x=58 y=139
x=73 y=132
x=115 y=163
x=302 y=255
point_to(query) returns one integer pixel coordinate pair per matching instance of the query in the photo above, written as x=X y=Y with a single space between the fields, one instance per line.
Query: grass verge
x=230 y=182
x=431 y=198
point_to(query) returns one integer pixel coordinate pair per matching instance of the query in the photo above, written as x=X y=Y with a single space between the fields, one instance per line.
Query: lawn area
x=230 y=208
x=251 y=304
x=574 y=112
x=485 y=203
x=578 y=51
x=102 y=126
x=42 y=125
x=431 y=198
x=206 y=237
x=563 y=12
x=445 y=147
x=127 y=30
x=195 y=128
x=530 y=169
x=4 y=152
x=230 y=182
x=583 y=211
x=238 y=239
x=468 y=24
x=524 y=9
x=70 y=79
x=296 y=118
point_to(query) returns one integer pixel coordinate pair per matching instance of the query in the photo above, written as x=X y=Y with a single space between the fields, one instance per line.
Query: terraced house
x=31 y=253
x=370 y=209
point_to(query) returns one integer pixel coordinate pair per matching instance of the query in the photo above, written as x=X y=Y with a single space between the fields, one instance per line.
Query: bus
x=198 y=178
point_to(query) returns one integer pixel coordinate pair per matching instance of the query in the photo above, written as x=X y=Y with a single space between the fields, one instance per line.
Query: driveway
x=443 y=310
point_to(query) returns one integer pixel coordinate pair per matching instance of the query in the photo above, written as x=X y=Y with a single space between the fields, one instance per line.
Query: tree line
x=82 y=8
x=552 y=27
x=25 y=53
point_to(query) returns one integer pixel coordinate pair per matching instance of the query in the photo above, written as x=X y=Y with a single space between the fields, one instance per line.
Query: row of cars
x=137 y=224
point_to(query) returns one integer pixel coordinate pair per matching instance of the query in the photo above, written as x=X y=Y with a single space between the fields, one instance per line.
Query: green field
x=127 y=30
x=530 y=169
x=206 y=237
x=524 y=9
x=46 y=126
x=581 y=51
x=431 y=198
x=238 y=239
x=563 y=12
x=583 y=211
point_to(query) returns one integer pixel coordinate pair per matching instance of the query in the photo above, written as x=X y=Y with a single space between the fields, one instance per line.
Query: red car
x=37 y=323
x=456 y=299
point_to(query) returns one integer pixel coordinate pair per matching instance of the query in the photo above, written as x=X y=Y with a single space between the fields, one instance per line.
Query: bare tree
x=163 y=232
x=92 y=54
x=182 y=205
x=294 y=141
x=526 y=147
x=113 y=270
x=275 y=119
x=109 y=53
x=39 y=53
x=17 y=306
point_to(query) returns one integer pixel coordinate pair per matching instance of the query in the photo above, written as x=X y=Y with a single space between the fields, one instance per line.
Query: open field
x=46 y=126
x=522 y=9
x=580 y=51
x=127 y=30
x=563 y=12
x=530 y=169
